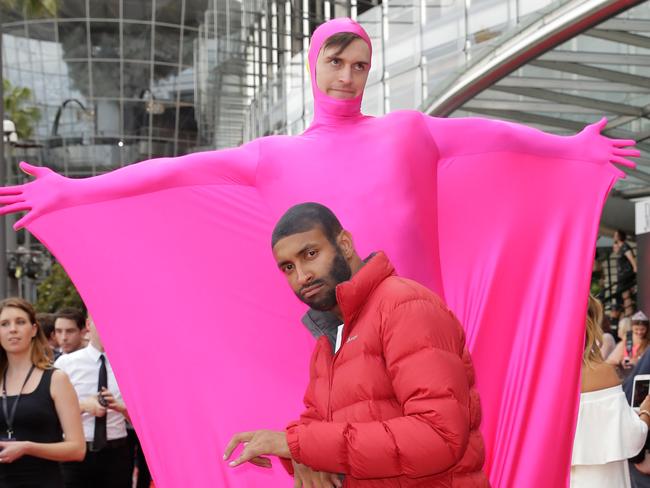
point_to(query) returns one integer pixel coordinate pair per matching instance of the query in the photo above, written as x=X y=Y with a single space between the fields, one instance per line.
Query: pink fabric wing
x=196 y=320
x=517 y=241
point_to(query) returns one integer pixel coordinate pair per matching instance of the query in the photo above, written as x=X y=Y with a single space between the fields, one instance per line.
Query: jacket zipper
x=331 y=374
x=334 y=355
x=331 y=378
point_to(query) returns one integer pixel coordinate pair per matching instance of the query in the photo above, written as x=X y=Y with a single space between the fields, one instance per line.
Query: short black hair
x=622 y=234
x=74 y=314
x=304 y=217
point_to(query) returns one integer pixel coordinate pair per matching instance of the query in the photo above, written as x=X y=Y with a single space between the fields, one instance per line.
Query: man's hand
x=256 y=444
x=305 y=477
x=91 y=405
x=112 y=402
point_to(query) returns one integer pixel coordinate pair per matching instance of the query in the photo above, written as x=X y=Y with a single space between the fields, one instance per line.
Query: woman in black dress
x=40 y=420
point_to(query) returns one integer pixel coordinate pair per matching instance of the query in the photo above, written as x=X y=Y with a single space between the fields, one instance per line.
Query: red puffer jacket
x=396 y=406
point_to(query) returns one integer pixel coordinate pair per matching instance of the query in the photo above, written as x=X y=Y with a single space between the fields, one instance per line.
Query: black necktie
x=99 y=440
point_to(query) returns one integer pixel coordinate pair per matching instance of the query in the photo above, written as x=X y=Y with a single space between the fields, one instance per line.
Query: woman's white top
x=608 y=433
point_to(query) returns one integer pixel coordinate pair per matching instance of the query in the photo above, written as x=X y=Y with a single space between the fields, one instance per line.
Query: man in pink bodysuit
x=476 y=210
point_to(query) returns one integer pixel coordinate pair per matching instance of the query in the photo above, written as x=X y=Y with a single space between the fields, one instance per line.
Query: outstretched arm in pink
x=50 y=191
x=466 y=136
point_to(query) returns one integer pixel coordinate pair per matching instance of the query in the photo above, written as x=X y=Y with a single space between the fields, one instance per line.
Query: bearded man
x=391 y=399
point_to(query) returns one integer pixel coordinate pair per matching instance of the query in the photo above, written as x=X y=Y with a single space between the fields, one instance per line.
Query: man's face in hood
x=342 y=74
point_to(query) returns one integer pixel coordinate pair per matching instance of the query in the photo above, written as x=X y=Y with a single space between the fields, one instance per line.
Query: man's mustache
x=311 y=285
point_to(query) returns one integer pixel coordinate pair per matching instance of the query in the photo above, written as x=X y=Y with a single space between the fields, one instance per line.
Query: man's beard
x=339 y=272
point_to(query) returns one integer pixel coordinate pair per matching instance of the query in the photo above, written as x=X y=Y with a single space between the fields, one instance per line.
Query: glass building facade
x=114 y=79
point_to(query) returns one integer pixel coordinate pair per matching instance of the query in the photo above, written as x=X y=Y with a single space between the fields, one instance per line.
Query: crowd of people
x=63 y=423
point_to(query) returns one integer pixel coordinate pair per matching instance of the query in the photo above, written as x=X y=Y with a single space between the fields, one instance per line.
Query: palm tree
x=15 y=100
x=30 y=8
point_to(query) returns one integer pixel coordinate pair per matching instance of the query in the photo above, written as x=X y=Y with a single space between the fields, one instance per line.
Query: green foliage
x=33 y=8
x=596 y=288
x=17 y=108
x=57 y=291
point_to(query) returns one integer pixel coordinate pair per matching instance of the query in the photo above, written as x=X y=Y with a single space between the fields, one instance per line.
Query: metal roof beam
x=573 y=84
x=638 y=174
x=620 y=120
x=559 y=108
x=626 y=25
x=620 y=37
x=642 y=136
x=597 y=58
x=593 y=72
x=603 y=105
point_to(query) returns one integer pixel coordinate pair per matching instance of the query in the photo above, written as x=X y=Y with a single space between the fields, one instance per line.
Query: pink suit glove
x=599 y=148
x=48 y=192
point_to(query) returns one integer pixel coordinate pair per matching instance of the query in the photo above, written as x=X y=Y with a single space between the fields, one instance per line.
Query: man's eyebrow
x=309 y=245
x=337 y=56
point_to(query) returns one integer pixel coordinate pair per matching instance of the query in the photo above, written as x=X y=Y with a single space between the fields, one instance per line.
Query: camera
x=102 y=401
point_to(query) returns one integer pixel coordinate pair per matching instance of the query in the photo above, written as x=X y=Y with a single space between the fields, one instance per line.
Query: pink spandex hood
x=172 y=257
x=327 y=108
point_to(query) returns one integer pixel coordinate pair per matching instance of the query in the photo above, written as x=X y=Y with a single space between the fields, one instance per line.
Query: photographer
x=108 y=459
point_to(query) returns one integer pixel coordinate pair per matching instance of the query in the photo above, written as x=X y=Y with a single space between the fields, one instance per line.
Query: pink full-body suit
x=173 y=259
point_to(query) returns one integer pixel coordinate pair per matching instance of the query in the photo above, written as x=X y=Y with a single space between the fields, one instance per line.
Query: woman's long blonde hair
x=41 y=351
x=594 y=333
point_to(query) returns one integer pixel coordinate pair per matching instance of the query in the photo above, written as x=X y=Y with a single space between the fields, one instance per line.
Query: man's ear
x=346 y=244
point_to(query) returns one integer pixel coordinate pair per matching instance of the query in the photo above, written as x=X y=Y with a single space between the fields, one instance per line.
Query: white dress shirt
x=82 y=367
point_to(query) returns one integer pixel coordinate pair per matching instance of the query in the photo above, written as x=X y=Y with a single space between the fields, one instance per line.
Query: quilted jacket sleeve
x=423 y=347
x=310 y=414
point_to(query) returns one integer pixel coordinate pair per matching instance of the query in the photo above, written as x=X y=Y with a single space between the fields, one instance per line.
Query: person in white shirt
x=608 y=431
x=108 y=460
